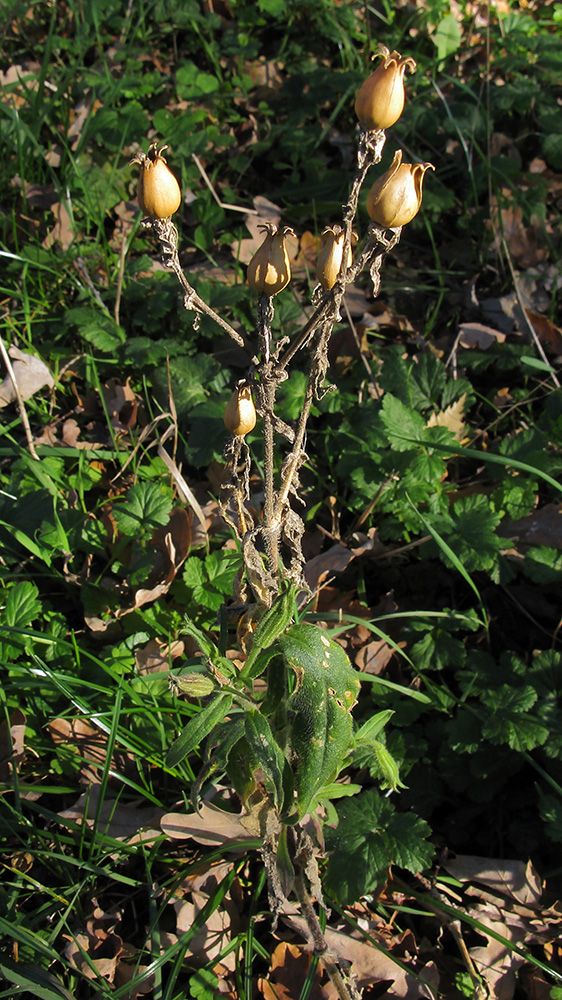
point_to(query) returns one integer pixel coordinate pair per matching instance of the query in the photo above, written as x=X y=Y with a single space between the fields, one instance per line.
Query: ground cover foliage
x=433 y=538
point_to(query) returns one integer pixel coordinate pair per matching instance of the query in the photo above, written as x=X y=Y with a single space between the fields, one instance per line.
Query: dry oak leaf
x=515 y=879
x=479 y=335
x=12 y=734
x=100 y=943
x=31 y=374
x=91 y=745
x=126 y=821
x=156 y=656
x=335 y=560
x=371 y=965
x=62 y=230
x=498 y=963
x=289 y=968
x=209 y=826
x=451 y=417
x=374 y=656
x=214 y=935
x=549 y=334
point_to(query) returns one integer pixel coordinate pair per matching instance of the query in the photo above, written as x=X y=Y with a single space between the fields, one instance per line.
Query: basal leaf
x=510 y=721
x=403 y=426
x=21 y=608
x=370 y=837
x=147 y=506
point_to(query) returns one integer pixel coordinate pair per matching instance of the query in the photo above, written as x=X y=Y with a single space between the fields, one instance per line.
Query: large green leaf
x=326 y=690
x=369 y=837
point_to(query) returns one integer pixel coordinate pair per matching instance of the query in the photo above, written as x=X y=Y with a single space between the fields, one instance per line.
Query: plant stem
x=168 y=237
x=343 y=985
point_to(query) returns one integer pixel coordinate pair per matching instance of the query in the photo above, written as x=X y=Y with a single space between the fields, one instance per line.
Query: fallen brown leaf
x=31 y=375
x=210 y=826
x=478 y=335
x=126 y=821
x=288 y=970
x=157 y=655
x=542 y=527
x=515 y=879
x=371 y=965
x=12 y=735
x=451 y=418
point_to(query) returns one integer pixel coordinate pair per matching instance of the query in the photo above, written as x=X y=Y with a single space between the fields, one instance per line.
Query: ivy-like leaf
x=370 y=837
x=147 y=505
x=510 y=722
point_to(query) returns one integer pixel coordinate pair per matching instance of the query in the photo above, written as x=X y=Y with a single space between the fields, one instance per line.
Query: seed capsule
x=158 y=191
x=380 y=99
x=395 y=198
x=269 y=270
x=331 y=256
x=240 y=413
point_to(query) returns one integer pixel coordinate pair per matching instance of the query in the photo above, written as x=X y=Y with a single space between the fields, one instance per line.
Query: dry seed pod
x=331 y=256
x=240 y=413
x=158 y=191
x=380 y=99
x=269 y=270
x=396 y=197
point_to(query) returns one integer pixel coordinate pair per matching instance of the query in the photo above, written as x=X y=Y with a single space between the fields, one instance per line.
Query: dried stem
x=342 y=983
x=168 y=236
x=280 y=523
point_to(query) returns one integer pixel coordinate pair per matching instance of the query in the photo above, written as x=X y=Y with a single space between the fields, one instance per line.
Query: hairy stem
x=345 y=988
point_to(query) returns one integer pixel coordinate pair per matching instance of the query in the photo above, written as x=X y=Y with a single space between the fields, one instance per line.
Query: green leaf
x=198 y=728
x=326 y=690
x=275 y=8
x=542 y=565
x=447 y=36
x=97 y=327
x=291 y=395
x=370 y=837
x=203 y=985
x=33 y=980
x=371 y=729
x=403 y=426
x=438 y=650
x=21 y=608
x=510 y=722
x=147 y=506
x=551 y=814
x=267 y=752
x=211 y=580
x=191 y=82
x=275 y=620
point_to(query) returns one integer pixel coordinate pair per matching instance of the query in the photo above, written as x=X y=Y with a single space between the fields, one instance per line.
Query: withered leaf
x=31 y=374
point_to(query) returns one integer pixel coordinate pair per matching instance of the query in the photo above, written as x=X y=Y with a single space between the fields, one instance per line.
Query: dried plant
x=298 y=745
